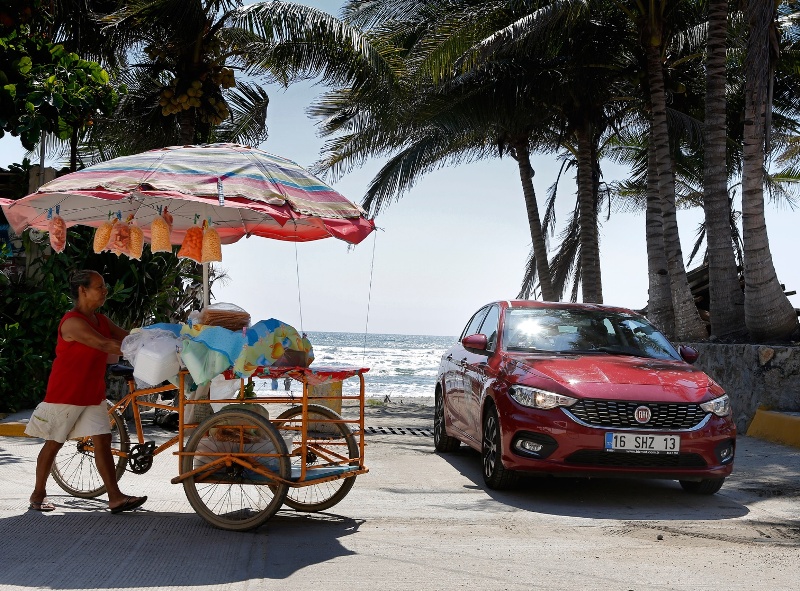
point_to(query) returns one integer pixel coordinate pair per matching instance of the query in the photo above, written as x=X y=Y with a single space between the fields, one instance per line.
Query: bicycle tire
x=318 y=497
x=74 y=468
x=234 y=498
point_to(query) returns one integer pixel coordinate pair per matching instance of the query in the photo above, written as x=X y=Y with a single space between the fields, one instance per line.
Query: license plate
x=642 y=443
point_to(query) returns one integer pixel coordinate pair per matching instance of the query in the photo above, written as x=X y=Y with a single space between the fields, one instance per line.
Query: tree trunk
x=726 y=297
x=659 y=302
x=768 y=312
x=523 y=158
x=186 y=120
x=591 y=285
x=73 y=150
x=688 y=325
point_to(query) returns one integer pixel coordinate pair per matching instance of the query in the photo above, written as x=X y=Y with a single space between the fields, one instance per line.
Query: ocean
x=400 y=366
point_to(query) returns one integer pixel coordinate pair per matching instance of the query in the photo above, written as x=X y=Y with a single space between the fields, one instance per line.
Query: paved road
x=419 y=521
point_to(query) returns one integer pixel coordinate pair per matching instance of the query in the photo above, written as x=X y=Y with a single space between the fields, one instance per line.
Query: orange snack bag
x=136 y=241
x=58 y=233
x=102 y=235
x=212 y=247
x=192 y=245
x=160 y=230
x=120 y=241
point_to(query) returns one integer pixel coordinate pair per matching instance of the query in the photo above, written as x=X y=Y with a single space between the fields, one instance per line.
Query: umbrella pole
x=206 y=287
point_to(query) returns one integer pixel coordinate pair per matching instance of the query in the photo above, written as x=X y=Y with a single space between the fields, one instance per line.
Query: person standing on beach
x=75 y=402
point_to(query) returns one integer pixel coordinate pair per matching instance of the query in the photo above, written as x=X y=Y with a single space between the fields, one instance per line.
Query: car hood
x=616 y=376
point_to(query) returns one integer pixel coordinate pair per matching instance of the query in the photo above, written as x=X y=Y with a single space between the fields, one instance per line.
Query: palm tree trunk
x=591 y=285
x=659 y=301
x=768 y=312
x=186 y=121
x=523 y=158
x=726 y=297
x=688 y=325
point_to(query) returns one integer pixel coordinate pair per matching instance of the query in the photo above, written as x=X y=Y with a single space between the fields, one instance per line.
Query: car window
x=474 y=323
x=489 y=327
x=567 y=330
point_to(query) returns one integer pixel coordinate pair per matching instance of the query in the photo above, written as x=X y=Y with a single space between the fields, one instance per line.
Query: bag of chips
x=102 y=235
x=192 y=245
x=212 y=247
x=58 y=233
x=120 y=240
x=160 y=231
x=136 y=241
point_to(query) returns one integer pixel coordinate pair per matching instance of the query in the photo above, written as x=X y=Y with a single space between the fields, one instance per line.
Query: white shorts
x=59 y=422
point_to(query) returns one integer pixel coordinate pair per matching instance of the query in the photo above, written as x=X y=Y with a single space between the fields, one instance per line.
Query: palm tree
x=768 y=312
x=725 y=292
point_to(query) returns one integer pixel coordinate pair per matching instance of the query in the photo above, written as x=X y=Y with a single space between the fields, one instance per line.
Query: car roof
x=565 y=306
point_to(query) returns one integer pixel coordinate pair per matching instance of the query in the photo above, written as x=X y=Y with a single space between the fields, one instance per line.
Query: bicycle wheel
x=326 y=442
x=74 y=468
x=234 y=497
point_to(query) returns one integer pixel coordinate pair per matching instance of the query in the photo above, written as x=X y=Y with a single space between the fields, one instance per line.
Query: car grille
x=588 y=457
x=620 y=414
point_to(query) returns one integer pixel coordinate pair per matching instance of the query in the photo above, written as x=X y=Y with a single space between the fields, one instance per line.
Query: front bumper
x=561 y=446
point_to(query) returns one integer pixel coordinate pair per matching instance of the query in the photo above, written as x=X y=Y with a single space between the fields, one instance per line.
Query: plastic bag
x=102 y=235
x=227 y=315
x=222 y=389
x=58 y=233
x=153 y=353
x=160 y=230
x=192 y=245
x=212 y=247
x=136 y=245
x=120 y=240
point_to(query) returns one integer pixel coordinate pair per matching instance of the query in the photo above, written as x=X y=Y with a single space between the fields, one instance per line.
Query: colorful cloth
x=207 y=351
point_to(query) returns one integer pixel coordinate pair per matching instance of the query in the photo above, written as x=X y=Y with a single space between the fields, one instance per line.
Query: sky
x=458 y=240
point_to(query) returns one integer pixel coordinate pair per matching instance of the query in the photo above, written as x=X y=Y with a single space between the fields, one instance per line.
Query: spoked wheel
x=74 y=468
x=441 y=440
x=326 y=442
x=495 y=475
x=234 y=496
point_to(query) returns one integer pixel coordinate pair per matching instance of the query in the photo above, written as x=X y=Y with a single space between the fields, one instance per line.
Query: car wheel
x=495 y=475
x=702 y=487
x=441 y=440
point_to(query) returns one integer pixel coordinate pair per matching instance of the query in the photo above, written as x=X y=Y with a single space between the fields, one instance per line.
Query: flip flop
x=44 y=506
x=129 y=504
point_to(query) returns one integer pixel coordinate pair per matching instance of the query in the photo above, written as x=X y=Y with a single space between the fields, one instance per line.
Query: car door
x=454 y=374
x=477 y=373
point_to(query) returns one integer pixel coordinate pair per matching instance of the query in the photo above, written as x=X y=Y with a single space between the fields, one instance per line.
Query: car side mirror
x=475 y=341
x=688 y=354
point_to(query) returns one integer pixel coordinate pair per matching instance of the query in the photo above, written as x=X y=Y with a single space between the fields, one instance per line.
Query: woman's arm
x=116 y=332
x=80 y=331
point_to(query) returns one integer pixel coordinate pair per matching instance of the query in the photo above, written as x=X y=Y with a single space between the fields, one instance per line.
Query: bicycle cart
x=238 y=466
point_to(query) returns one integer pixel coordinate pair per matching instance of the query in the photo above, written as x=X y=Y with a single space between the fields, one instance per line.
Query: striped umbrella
x=243 y=191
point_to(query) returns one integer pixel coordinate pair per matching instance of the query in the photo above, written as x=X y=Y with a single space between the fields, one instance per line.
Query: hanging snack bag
x=160 y=230
x=136 y=241
x=192 y=245
x=58 y=232
x=120 y=240
x=102 y=235
x=212 y=247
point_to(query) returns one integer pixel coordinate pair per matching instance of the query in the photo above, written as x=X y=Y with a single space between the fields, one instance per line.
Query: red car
x=581 y=390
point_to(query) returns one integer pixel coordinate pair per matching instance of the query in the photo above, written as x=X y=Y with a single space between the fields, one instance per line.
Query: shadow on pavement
x=97 y=550
x=597 y=498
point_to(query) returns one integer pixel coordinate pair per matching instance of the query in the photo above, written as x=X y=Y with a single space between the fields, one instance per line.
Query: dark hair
x=78 y=279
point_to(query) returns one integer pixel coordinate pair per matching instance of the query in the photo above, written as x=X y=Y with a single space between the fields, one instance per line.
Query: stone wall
x=754 y=376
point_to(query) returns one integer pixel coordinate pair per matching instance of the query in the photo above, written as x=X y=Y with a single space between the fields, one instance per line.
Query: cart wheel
x=325 y=442
x=234 y=497
x=74 y=468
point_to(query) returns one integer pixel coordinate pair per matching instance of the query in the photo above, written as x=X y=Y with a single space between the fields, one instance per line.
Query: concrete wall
x=753 y=376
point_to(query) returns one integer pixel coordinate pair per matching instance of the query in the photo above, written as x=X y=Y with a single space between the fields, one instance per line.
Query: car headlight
x=543 y=399
x=719 y=406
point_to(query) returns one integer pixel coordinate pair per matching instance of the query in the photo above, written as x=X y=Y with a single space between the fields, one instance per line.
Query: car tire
x=495 y=475
x=442 y=442
x=702 y=487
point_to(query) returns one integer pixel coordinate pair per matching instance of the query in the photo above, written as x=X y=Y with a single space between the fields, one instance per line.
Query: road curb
x=13 y=429
x=777 y=427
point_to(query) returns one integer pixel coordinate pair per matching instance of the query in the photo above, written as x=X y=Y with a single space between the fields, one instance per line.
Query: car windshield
x=572 y=330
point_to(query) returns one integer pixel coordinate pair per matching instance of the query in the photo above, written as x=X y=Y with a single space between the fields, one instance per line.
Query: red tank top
x=78 y=372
